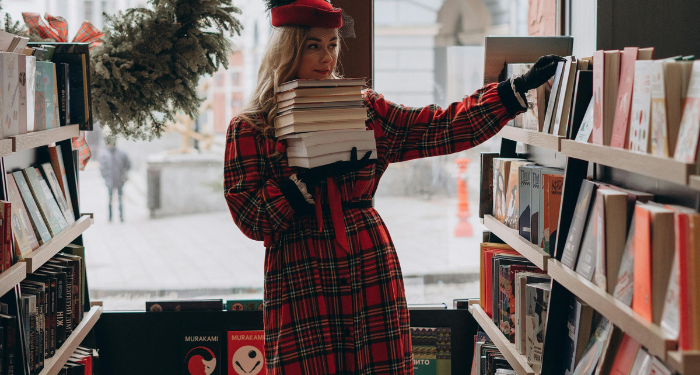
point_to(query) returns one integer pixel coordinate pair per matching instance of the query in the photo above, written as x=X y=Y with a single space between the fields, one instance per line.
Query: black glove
x=541 y=72
x=312 y=177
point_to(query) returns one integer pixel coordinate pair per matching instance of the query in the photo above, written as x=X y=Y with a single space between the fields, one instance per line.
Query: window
x=87 y=5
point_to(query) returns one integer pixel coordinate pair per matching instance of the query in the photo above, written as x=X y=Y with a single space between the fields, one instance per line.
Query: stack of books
x=322 y=120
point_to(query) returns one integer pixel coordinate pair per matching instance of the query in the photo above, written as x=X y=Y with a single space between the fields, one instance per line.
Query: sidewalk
x=206 y=254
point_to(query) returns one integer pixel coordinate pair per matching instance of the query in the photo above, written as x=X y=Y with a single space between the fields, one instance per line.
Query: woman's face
x=319 y=54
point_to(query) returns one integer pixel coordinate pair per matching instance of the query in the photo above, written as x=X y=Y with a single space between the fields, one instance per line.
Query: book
x=536 y=320
x=10 y=350
x=499 y=288
x=525 y=180
x=540 y=198
x=610 y=250
x=49 y=94
x=301 y=83
x=501 y=169
x=589 y=360
x=73 y=269
x=653 y=241
x=521 y=281
x=39 y=100
x=593 y=235
x=63 y=88
x=318 y=92
x=626 y=354
x=487 y=253
x=639 y=137
x=315 y=161
x=687 y=146
x=200 y=353
x=512 y=207
x=52 y=205
x=245 y=305
x=25 y=239
x=583 y=91
x=486 y=183
x=629 y=55
x=670 y=315
x=47 y=214
x=57 y=193
x=509 y=297
x=561 y=118
x=246 y=352
x=666 y=107
x=64 y=273
x=318 y=126
x=59 y=170
x=324 y=137
x=535 y=213
x=322 y=100
x=9 y=88
x=553 y=188
x=570 y=254
x=330 y=148
x=61 y=318
x=27 y=76
x=185 y=305
x=530 y=118
x=50 y=309
x=585 y=130
x=318 y=104
x=606 y=71
x=553 y=97
x=7 y=254
x=319 y=115
x=42 y=232
x=579 y=323
x=79 y=274
x=684 y=233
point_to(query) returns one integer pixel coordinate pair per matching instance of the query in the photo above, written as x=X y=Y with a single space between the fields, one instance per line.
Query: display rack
x=38 y=257
x=686 y=363
x=10 y=278
x=531 y=137
x=42 y=138
x=511 y=236
x=53 y=365
x=516 y=360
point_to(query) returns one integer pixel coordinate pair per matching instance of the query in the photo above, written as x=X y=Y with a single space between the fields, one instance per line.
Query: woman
x=334 y=295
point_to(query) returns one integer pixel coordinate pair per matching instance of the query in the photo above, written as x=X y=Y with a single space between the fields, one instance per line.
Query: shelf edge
x=511 y=237
x=38 y=257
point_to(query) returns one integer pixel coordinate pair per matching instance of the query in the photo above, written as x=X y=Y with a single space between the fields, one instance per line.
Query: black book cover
x=578 y=224
x=68 y=295
x=9 y=325
x=486 y=189
x=201 y=353
x=78 y=287
x=63 y=83
x=49 y=309
x=185 y=305
x=582 y=97
x=37 y=323
x=60 y=303
x=74 y=265
x=26 y=319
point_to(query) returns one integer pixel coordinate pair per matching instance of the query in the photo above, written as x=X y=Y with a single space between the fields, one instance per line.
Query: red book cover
x=624 y=98
x=7 y=236
x=624 y=359
x=641 y=301
x=487 y=271
x=246 y=352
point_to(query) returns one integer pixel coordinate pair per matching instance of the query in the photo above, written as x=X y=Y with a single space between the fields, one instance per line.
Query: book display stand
x=21 y=152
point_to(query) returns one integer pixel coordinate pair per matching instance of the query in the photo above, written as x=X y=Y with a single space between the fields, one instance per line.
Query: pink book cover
x=598 y=135
x=624 y=98
x=687 y=144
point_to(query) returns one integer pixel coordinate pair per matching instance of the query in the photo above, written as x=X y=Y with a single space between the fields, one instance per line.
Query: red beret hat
x=314 y=13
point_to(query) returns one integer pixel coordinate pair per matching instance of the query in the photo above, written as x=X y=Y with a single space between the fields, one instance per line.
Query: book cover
x=512 y=205
x=63 y=87
x=624 y=98
x=579 y=324
x=49 y=106
x=540 y=198
x=612 y=219
x=624 y=359
x=498 y=261
x=606 y=71
x=513 y=272
x=521 y=281
x=27 y=76
x=7 y=255
x=566 y=92
x=245 y=305
x=25 y=240
x=639 y=138
x=686 y=148
x=246 y=352
x=39 y=100
x=52 y=205
x=587 y=259
x=185 y=305
x=597 y=134
x=57 y=193
x=42 y=232
x=62 y=316
x=59 y=170
x=583 y=91
x=659 y=126
x=504 y=302
x=553 y=187
x=670 y=316
x=656 y=367
x=488 y=251
x=486 y=184
x=577 y=229
x=501 y=169
x=535 y=189
x=594 y=350
x=537 y=307
x=65 y=273
x=9 y=88
x=525 y=179
x=553 y=97
x=33 y=181
x=200 y=353
x=424 y=341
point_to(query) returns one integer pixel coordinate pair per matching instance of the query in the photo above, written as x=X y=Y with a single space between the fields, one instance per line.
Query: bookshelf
x=511 y=236
x=38 y=257
x=687 y=363
x=53 y=365
x=516 y=360
x=645 y=164
x=42 y=138
x=12 y=277
x=694 y=182
x=531 y=137
x=5 y=147
x=646 y=333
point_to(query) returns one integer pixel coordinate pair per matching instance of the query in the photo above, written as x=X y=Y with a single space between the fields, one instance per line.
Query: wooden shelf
x=53 y=365
x=645 y=332
x=694 y=182
x=686 y=363
x=43 y=137
x=511 y=236
x=653 y=166
x=531 y=137
x=516 y=360
x=5 y=147
x=46 y=251
x=12 y=277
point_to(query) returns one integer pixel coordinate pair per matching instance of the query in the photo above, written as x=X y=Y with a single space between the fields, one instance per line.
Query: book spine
x=7 y=238
x=535 y=229
x=60 y=311
x=11 y=345
x=524 y=200
x=69 y=304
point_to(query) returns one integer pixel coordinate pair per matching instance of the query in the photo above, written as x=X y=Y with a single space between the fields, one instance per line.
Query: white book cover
x=641 y=363
x=27 y=76
x=9 y=87
x=584 y=131
x=687 y=145
x=657 y=367
x=6 y=40
x=564 y=102
x=641 y=106
x=330 y=148
x=316 y=161
x=659 y=127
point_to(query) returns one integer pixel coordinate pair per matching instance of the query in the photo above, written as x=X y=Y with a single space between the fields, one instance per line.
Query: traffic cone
x=464 y=228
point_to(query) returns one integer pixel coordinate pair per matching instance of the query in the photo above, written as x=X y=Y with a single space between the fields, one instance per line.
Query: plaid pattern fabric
x=84 y=154
x=34 y=22
x=88 y=33
x=328 y=311
x=59 y=25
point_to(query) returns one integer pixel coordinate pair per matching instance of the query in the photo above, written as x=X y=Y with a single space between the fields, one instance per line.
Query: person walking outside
x=114 y=166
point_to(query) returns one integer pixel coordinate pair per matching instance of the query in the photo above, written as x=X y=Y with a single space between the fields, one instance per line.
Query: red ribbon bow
x=57 y=29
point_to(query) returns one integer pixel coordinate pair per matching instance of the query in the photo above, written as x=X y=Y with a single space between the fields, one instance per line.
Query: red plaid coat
x=328 y=311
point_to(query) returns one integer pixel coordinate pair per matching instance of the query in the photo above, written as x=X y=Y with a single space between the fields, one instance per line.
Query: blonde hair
x=279 y=64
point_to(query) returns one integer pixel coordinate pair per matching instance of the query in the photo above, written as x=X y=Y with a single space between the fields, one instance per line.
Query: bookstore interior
x=589 y=262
